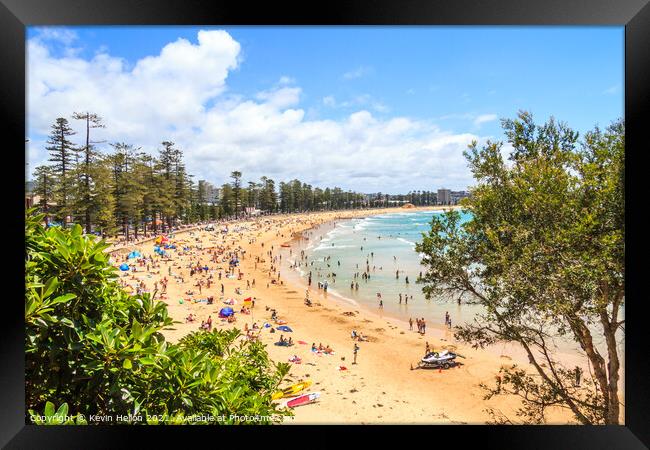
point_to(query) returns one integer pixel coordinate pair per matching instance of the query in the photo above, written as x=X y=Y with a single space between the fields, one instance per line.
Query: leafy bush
x=97 y=350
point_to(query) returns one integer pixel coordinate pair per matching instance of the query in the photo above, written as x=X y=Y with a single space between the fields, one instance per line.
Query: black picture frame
x=15 y=15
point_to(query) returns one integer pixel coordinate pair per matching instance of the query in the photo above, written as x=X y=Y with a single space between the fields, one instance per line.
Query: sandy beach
x=381 y=387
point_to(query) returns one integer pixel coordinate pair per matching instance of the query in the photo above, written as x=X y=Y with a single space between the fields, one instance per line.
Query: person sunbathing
x=328 y=350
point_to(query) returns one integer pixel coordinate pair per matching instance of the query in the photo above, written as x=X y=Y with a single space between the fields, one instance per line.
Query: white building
x=444 y=196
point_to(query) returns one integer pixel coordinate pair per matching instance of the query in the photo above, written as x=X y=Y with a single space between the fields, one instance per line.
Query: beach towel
x=302 y=342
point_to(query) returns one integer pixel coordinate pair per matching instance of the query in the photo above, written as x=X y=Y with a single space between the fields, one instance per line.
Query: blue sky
x=437 y=86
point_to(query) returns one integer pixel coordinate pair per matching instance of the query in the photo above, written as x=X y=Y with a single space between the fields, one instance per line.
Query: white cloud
x=357 y=73
x=181 y=95
x=329 y=101
x=477 y=120
x=359 y=101
x=484 y=118
x=612 y=90
x=280 y=98
x=286 y=80
x=62 y=35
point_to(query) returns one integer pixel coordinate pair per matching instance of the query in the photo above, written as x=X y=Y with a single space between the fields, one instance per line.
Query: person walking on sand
x=411 y=323
x=578 y=372
x=356 y=349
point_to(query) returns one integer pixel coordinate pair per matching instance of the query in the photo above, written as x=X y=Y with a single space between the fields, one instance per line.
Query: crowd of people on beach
x=199 y=269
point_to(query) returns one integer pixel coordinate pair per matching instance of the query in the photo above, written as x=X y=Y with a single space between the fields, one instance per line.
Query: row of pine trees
x=129 y=191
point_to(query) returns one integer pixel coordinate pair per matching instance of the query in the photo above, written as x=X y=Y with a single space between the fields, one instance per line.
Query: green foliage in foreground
x=95 y=350
x=544 y=255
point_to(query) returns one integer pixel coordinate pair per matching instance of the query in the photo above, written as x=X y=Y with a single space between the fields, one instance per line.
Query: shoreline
x=381 y=388
x=441 y=332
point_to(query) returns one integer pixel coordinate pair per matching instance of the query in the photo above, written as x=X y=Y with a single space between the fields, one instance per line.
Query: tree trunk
x=583 y=336
x=609 y=328
x=87 y=199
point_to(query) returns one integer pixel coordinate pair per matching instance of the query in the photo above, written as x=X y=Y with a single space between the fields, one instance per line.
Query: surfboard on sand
x=304 y=399
x=292 y=390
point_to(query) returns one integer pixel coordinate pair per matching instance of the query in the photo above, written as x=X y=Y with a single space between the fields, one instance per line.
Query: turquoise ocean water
x=381 y=245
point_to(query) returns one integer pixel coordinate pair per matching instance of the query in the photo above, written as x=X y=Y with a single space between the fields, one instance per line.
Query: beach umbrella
x=285 y=329
x=124 y=267
x=226 y=312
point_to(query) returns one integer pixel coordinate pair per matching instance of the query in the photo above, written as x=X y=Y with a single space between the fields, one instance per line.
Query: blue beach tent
x=124 y=267
x=285 y=329
x=226 y=312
